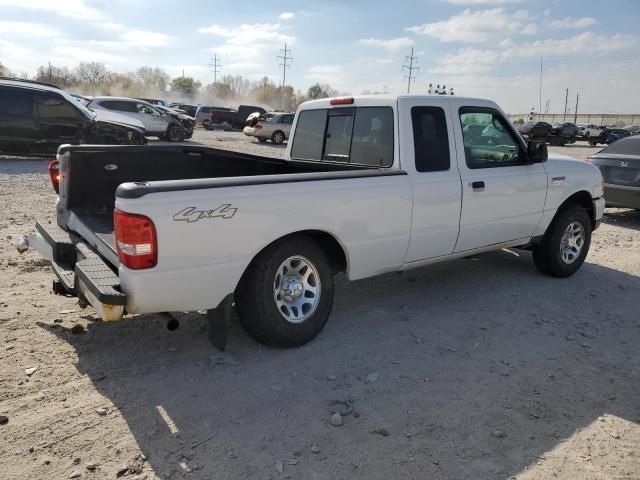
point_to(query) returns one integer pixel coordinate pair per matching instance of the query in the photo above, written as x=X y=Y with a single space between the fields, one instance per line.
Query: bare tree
x=91 y=72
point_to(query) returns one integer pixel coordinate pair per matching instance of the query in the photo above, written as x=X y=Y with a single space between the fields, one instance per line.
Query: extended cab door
x=59 y=122
x=503 y=194
x=427 y=151
x=18 y=127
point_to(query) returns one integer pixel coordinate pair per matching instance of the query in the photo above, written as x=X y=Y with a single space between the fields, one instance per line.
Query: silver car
x=274 y=126
x=156 y=122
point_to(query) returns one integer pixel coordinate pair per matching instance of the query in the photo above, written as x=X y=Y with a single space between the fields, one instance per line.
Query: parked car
x=154 y=101
x=591 y=130
x=186 y=108
x=566 y=129
x=535 y=130
x=274 y=126
x=187 y=122
x=156 y=122
x=369 y=185
x=615 y=134
x=620 y=167
x=213 y=118
x=633 y=130
x=38 y=118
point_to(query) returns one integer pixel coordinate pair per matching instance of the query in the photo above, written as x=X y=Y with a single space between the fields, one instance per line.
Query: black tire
x=256 y=305
x=547 y=255
x=262 y=140
x=175 y=133
x=277 y=137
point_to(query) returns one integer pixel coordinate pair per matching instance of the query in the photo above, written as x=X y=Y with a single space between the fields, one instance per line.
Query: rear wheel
x=285 y=296
x=277 y=137
x=565 y=244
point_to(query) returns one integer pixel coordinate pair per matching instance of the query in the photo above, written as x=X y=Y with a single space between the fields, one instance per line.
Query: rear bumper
x=80 y=271
x=622 y=196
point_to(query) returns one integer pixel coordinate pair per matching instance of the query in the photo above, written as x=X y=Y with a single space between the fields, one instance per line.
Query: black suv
x=38 y=118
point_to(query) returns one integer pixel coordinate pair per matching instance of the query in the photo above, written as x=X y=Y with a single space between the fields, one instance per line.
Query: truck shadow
x=482 y=366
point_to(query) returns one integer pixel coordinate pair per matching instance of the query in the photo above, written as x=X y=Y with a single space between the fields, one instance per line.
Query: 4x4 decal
x=192 y=214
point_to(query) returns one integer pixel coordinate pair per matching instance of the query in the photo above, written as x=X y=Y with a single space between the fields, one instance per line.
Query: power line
x=411 y=68
x=215 y=67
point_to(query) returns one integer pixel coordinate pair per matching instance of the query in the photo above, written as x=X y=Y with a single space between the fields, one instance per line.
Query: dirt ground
x=480 y=368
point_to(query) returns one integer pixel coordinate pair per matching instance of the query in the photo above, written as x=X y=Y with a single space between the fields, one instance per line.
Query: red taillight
x=342 y=101
x=135 y=240
x=54 y=174
x=257 y=126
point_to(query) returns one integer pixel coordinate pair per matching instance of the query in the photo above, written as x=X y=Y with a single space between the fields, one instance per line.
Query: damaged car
x=37 y=118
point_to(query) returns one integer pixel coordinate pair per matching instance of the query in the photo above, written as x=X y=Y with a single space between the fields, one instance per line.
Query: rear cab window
x=354 y=135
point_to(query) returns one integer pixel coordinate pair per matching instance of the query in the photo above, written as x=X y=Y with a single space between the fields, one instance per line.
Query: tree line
x=93 y=78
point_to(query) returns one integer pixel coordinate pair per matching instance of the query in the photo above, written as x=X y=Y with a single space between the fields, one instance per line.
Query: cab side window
x=430 y=139
x=489 y=141
x=50 y=107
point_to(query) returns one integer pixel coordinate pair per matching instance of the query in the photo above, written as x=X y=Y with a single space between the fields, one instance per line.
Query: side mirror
x=537 y=152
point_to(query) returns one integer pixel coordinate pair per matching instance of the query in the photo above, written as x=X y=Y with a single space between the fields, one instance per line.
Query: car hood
x=112 y=117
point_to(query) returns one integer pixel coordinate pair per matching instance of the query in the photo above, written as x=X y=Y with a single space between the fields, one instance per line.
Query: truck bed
x=95 y=173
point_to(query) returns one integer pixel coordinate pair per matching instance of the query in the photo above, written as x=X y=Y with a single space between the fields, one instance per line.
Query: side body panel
x=201 y=261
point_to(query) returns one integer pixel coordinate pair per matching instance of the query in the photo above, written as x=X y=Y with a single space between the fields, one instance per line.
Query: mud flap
x=219 y=318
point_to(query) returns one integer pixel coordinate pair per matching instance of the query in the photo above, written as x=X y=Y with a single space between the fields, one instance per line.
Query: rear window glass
x=361 y=136
x=430 y=139
x=309 y=135
x=624 y=146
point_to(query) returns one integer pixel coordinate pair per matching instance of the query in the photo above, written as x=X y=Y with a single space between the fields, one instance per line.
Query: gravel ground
x=479 y=368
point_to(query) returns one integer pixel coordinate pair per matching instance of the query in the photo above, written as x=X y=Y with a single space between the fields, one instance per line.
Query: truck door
x=428 y=154
x=503 y=195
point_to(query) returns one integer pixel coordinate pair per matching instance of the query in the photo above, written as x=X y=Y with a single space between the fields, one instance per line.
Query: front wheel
x=565 y=244
x=285 y=297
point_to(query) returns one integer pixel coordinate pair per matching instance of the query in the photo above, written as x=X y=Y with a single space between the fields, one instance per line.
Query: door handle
x=477 y=185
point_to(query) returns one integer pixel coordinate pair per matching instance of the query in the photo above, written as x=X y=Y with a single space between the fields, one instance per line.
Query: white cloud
x=143 y=38
x=28 y=29
x=390 y=44
x=248 y=44
x=286 y=15
x=478 y=26
x=571 y=22
x=482 y=2
x=467 y=61
x=66 y=8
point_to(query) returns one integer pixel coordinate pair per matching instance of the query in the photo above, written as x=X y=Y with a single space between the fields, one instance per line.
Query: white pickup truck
x=369 y=185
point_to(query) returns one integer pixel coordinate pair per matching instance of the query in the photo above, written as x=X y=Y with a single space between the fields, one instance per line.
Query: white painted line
x=167 y=419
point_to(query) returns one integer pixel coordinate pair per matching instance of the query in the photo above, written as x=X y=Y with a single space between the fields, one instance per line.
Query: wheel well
x=583 y=199
x=331 y=247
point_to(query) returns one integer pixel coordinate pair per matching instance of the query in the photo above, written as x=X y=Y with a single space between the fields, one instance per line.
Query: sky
x=481 y=48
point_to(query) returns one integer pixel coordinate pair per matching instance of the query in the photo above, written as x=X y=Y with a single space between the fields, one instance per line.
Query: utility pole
x=285 y=58
x=546 y=107
x=215 y=67
x=566 y=99
x=540 y=91
x=411 y=68
x=575 y=112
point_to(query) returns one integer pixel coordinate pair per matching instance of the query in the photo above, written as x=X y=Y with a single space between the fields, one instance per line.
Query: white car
x=274 y=126
x=591 y=130
x=156 y=122
x=370 y=185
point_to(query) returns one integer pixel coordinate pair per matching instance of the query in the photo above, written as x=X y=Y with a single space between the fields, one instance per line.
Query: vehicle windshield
x=529 y=124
